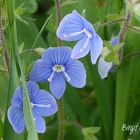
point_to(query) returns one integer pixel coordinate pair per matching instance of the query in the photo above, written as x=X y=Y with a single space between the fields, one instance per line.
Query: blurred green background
x=104 y=105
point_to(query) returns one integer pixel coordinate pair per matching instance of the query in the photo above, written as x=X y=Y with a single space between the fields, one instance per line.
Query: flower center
x=58 y=69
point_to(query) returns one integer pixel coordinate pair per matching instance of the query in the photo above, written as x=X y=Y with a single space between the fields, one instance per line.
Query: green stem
x=131 y=55
x=135 y=29
x=112 y=22
x=121 y=92
x=124 y=28
x=60 y=135
x=14 y=48
x=58 y=18
x=41 y=30
x=60 y=120
x=2 y=37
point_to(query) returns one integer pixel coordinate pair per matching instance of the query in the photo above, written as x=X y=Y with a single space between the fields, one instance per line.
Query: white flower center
x=58 y=69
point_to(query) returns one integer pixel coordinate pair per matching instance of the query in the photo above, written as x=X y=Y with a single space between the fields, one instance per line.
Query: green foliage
x=90 y=132
x=111 y=53
x=112 y=17
x=104 y=103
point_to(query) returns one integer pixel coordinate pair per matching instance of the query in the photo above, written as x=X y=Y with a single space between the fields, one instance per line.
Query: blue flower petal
x=45 y=104
x=15 y=117
x=39 y=123
x=81 y=49
x=70 y=27
x=33 y=89
x=96 y=48
x=41 y=71
x=58 y=86
x=17 y=99
x=115 y=40
x=86 y=24
x=104 y=67
x=57 y=55
x=77 y=74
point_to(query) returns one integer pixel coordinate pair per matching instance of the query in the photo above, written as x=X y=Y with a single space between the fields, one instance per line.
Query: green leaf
x=108 y=44
x=110 y=53
x=117 y=47
x=89 y=133
x=109 y=57
x=20 y=48
x=20 y=10
x=27 y=111
x=9 y=133
x=30 y=5
x=90 y=130
x=116 y=59
x=106 y=51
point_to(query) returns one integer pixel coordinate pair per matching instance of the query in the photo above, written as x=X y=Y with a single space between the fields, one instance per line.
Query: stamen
x=58 y=69
x=51 y=77
x=74 y=34
x=78 y=33
x=67 y=76
x=88 y=33
x=39 y=105
x=85 y=46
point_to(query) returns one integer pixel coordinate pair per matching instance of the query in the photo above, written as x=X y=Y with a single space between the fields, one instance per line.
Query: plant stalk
x=60 y=135
x=32 y=135
x=121 y=93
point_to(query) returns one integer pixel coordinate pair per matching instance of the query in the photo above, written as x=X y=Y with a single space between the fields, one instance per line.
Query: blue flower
x=103 y=66
x=74 y=27
x=42 y=103
x=56 y=66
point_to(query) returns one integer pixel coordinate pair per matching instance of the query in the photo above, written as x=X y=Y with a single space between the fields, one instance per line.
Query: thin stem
x=3 y=70
x=2 y=39
x=58 y=18
x=134 y=28
x=60 y=135
x=112 y=22
x=124 y=28
x=28 y=117
x=120 y=111
x=60 y=120
x=131 y=55
x=40 y=32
